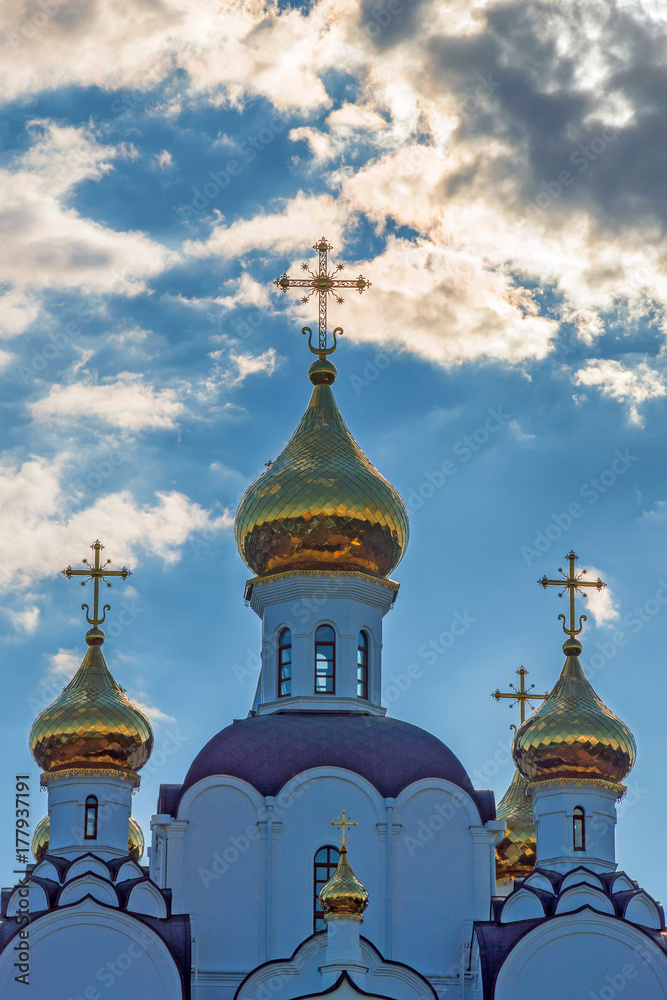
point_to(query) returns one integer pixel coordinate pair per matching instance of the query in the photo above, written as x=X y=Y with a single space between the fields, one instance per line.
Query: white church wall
x=584 y=955
x=94 y=949
x=318 y=793
x=432 y=864
x=222 y=862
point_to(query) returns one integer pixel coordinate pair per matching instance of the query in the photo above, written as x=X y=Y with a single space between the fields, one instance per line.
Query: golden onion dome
x=40 y=839
x=516 y=852
x=91 y=724
x=135 y=842
x=573 y=734
x=344 y=896
x=321 y=505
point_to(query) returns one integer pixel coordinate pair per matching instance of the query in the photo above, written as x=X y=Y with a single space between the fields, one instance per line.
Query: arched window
x=325 y=660
x=90 y=822
x=579 y=829
x=362 y=665
x=324 y=865
x=285 y=663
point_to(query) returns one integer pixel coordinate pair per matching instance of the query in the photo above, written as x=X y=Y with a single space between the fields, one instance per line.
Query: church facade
x=256 y=888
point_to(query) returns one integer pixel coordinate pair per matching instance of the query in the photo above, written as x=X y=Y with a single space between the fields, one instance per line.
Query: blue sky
x=497 y=172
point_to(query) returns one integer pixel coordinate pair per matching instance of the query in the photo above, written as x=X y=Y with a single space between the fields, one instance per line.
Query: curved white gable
x=642 y=910
x=539 y=881
x=579 y=876
x=583 y=955
x=93 y=935
x=522 y=905
x=129 y=870
x=87 y=864
x=146 y=898
x=584 y=895
x=622 y=883
x=46 y=869
x=36 y=897
x=88 y=885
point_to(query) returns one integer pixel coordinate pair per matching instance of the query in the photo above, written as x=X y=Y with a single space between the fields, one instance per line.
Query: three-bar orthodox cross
x=343 y=823
x=325 y=283
x=573 y=584
x=520 y=696
x=96 y=572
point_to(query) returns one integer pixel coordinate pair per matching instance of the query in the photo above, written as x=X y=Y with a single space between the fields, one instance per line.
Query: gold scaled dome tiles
x=344 y=895
x=92 y=723
x=516 y=852
x=321 y=505
x=573 y=734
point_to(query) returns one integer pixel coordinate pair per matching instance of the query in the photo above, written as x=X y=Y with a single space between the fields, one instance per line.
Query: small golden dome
x=343 y=896
x=573 y=734
x=92 y=723
x=40 y=839
x=135 y=843
x=321 y=505
x=516 y=852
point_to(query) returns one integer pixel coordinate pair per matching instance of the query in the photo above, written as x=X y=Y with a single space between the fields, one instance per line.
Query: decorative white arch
x=219 y=781
x=293 y=788
x=585 y=934
x=429 y=784
x=56 y=932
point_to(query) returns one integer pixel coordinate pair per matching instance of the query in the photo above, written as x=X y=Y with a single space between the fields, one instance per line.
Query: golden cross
x=520 y=695
x=342 y=823
x=573 y=584
x=98 y=571
x=324 y=283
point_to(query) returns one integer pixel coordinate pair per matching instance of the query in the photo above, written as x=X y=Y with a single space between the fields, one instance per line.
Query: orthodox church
x=319 y=847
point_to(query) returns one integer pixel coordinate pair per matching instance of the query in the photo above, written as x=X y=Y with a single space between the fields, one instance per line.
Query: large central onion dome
x=321 y=505
x=573 y=734
x=92 y=723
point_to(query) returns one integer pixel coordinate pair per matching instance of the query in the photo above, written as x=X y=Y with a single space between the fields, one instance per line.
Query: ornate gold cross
x=98 y=571
x=324 y=283
x=342 y=823
x=520 y=696
x=573 y=584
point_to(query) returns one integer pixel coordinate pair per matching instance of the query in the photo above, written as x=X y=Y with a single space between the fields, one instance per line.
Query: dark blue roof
x=268 y=750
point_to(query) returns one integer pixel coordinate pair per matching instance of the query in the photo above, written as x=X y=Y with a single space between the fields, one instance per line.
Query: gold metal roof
x=573 y=734
x=40 y=839
x=135 y=841
x=344 y=895
x=321 y=504
x=516 y=852
x=92 y=722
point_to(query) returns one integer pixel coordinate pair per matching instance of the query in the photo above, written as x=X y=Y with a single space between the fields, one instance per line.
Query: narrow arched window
x=90 y=823
x=362 y=665
x=579 y=829
x=324 y=865
x=285 y=663
x=325 y=660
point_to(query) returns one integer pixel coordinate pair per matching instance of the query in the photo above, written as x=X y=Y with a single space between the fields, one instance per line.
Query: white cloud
x=154 y=714
x=249 y=364
x=47 y=243
x=519 y=433
x=39 y=533
x=632 y=386
x=600 y=603
x=163 y=160
x=25 y=620
x=281 y=232
x=63 y=665
x=125 y=401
